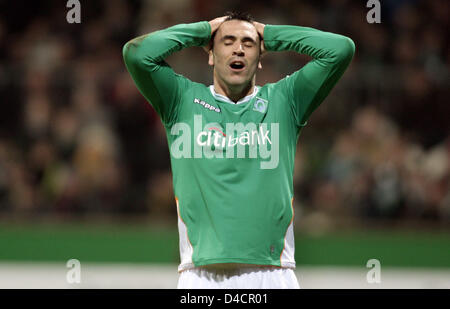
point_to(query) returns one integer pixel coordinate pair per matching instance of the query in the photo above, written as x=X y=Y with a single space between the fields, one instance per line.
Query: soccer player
x=233 y=143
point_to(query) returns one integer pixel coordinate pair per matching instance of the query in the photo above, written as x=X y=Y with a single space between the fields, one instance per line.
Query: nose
x=238 y=50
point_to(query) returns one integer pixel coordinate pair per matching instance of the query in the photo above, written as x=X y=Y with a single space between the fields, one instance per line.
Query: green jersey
x=233 y=163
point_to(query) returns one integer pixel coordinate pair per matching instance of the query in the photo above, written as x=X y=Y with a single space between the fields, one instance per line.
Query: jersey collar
x=227 y=100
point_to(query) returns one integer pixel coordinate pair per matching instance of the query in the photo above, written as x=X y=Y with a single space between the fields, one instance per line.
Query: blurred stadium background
x=85 y=170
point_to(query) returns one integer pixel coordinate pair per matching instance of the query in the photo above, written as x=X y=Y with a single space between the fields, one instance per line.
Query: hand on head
x=260 y=29
x=215 y=24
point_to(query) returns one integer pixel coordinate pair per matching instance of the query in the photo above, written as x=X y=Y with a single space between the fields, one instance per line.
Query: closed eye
x=247 y=41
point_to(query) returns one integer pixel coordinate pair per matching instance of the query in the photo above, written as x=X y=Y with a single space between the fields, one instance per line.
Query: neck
x=234 y=92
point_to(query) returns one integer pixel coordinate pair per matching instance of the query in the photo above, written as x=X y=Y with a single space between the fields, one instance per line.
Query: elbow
x=126 y=49
x=349 y=47
x=345 y=49
x=133 y=52
x=128 y=54
x=136 y=55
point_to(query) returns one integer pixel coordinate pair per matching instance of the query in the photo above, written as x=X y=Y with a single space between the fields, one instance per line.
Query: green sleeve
x=144 y=58
x=310 y=85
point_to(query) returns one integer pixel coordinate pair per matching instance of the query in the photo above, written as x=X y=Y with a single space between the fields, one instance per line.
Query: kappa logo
x=207 y=105
x=260 y=105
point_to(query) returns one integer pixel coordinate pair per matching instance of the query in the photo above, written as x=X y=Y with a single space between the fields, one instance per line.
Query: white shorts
x=243 y=278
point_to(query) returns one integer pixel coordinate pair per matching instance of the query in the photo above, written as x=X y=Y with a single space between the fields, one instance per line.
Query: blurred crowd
x=372 y=171
x=77 y=138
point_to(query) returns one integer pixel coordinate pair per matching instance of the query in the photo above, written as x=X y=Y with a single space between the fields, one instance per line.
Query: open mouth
x=237 y=65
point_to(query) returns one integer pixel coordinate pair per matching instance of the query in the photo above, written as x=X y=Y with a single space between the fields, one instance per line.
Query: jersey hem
x=186 y=266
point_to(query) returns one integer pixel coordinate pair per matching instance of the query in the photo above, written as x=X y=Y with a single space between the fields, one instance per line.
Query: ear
x=259 y=64
x=210 y=57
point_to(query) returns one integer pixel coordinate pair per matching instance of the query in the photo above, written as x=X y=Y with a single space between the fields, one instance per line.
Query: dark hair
x=233 y=15
x=239 y=16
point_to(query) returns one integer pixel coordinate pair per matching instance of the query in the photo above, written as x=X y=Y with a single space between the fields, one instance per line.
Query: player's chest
x=255 y=111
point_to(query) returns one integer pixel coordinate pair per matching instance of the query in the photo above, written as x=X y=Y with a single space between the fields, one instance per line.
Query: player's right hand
x=215 y=24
